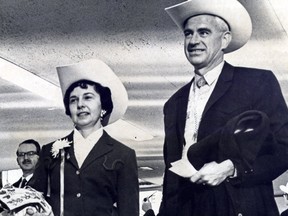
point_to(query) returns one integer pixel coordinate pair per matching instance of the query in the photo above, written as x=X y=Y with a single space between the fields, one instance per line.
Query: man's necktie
x=201 y=82
x=23 y=183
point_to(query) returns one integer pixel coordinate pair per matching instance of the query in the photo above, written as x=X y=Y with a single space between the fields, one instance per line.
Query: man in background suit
x=217 y=93
x=27 y=158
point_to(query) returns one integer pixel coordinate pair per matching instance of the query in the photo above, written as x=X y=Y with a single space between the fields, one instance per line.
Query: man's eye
x=187 y=33
x=204 y=33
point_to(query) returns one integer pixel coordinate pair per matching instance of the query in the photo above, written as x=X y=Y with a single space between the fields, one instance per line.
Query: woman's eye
x=88 y=97
x=71 y=101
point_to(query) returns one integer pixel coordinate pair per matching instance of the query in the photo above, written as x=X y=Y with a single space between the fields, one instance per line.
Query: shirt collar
x=212 y=75
x=27 y=177
x=94 y=137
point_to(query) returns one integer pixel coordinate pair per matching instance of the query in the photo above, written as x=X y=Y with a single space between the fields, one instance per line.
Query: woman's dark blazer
x=107 y=176
x=237 y=90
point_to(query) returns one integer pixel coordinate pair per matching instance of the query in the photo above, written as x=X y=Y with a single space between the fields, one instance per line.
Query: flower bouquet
x=15 y=201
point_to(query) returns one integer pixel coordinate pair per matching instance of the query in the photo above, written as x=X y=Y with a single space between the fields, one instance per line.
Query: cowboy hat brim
x=231 y=11
x=97 y=71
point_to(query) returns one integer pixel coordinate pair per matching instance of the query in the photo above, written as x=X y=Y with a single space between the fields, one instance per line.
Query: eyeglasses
x=28 y=154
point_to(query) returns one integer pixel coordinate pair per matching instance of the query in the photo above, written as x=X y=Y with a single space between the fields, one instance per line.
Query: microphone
x=147 y=198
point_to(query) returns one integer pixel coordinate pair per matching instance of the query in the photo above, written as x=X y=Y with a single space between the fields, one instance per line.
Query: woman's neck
x=85 y=132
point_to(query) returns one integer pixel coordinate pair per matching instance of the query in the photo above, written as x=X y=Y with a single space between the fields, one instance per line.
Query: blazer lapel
x=102 y=147
x=182 y=102
x=70 y=155
x=223 y=84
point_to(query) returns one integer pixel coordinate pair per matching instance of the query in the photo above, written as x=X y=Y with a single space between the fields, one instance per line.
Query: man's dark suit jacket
x=237 y=90
x=108 y=175
x=17 y=183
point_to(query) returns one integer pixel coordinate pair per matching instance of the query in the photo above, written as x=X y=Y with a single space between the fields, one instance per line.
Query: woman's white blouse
x=83 y=146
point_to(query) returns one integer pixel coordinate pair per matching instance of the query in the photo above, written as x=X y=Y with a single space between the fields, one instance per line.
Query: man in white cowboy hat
x=217 y=93
x=88 y=172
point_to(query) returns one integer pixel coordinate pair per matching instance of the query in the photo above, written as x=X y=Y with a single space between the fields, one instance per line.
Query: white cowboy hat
x=231 y=11
x=99 y=72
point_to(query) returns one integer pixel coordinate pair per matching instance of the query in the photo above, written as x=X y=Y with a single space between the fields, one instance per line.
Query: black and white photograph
x=143 y=108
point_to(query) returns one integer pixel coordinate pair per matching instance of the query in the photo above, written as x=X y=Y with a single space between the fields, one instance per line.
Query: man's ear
x=226 y=39
x=17 y=161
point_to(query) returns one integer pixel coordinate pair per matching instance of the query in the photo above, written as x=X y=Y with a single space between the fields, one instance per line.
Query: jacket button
x=78 y=195
x=77 y=172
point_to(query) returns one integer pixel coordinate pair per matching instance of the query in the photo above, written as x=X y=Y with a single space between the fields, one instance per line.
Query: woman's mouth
x=82 y=114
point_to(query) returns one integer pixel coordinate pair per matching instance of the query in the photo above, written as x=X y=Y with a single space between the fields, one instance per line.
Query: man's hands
x=213 y=173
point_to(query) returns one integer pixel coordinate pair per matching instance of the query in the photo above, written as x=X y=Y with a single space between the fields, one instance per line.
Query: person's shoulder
x=48 y=146
x=184 y=90
x=255 y=75
x=251 y=71
x=117 y=144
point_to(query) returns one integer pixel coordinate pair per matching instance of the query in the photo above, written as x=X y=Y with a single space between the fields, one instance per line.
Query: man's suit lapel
x=223 y=84
x=182 y=102
x=16 y=184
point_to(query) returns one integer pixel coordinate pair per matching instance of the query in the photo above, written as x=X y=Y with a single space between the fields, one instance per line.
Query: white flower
x=59 y=144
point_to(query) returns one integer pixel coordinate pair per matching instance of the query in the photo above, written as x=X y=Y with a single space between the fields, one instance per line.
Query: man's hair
x=33 y=142
x=221 y=23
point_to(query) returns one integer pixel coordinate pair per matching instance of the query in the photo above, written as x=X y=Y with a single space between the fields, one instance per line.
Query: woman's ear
x=105 y=120
x=226 y=39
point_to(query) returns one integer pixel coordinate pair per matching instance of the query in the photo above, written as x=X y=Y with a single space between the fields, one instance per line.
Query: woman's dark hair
x=104 y=92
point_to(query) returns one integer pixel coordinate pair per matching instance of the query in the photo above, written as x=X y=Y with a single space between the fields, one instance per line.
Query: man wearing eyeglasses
x=27 y=158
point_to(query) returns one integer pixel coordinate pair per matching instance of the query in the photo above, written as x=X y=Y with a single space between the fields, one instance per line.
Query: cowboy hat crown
x=231 y=11
x=97 y=71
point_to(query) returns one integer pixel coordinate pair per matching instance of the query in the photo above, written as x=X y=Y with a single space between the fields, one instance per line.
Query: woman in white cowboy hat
x=88 y=172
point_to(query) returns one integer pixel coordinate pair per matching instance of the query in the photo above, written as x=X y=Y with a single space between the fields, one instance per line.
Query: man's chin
x=27 y=167
x=195 y=60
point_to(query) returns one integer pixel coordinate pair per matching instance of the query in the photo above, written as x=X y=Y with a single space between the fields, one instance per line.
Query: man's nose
x=194 y=39
x=25 y=156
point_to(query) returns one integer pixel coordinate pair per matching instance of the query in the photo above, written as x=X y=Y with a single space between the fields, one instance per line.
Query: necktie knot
x=200 y=81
